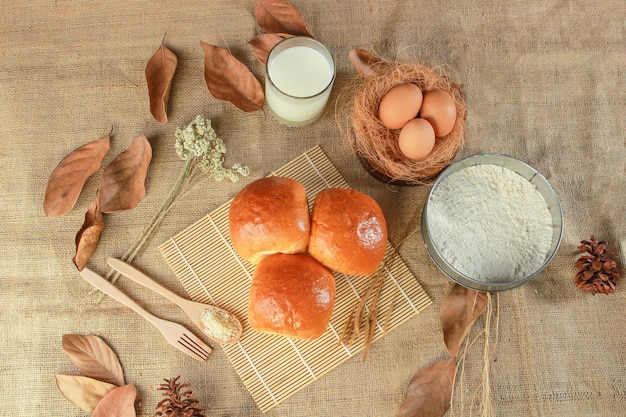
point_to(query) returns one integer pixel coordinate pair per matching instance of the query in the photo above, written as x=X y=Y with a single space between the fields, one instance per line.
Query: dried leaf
x=94 y=358
x=430 y=391
x=83 y=391
x=159 y=74
x=88 y=236
x=118 y=403
x=123 y=181
x=263 y=43
x=69 y=177
x=277 y=16
x=363 y=61
x=459 y=311
x=230 y=80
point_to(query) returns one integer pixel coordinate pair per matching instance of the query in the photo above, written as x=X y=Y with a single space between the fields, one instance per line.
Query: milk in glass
x=300 y=74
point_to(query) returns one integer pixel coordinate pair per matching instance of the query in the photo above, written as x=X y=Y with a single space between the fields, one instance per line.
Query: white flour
x=490 y=223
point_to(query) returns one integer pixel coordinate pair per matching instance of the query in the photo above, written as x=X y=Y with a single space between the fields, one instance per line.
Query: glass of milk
x=300 y=73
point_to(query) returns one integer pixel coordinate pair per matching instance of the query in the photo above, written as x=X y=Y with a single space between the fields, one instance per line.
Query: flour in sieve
x=490 y=223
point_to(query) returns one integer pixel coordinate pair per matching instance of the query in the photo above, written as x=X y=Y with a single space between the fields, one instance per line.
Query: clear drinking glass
x=300 y=72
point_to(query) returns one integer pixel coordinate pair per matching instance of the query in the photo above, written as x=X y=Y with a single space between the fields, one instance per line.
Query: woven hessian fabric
x=542 y=81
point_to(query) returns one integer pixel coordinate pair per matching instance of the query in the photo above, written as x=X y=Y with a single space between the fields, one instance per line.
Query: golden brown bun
x=267 y=216
x=291 y=295
x=348 y=231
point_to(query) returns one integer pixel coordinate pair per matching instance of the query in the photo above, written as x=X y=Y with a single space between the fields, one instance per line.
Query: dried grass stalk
x=388 y=316
x=370 y=326
x=481 y=398
x=348 y=329
x=370 y=300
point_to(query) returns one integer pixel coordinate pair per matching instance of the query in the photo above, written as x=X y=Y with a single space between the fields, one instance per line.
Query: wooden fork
x=193 y=309
x=176 y=334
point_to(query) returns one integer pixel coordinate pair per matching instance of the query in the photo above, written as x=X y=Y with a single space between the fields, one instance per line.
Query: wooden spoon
x=217 y=324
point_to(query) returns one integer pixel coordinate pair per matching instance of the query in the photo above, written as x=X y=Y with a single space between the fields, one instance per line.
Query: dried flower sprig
x=199 y=140
x=203 y=153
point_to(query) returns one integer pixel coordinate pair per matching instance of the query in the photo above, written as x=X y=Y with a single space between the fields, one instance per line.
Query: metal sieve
x=526 y=171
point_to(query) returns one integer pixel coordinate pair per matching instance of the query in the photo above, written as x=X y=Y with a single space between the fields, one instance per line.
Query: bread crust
x=348 y=231
x=269 y=215
x=291 y=295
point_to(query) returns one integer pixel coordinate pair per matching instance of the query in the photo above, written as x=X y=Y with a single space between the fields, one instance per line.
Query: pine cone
x=596 y=272
x=177 y=403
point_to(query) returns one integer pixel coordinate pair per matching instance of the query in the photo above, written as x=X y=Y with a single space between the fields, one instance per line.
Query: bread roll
x=291 y=295
x=269 y=215
x=348 y=231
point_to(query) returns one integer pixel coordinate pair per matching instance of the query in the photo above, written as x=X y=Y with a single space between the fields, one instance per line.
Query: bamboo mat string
x=304 y=362
x=229 y=247
x=259 y=376
x=399 y=287
x=319 y=174
x=184 y=259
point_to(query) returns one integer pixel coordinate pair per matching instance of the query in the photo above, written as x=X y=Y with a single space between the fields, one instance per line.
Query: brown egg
x=439 y=109
x=399 y=105
x=417 y=139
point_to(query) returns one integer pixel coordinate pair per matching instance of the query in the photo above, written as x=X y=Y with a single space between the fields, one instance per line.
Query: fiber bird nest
x=377 y=147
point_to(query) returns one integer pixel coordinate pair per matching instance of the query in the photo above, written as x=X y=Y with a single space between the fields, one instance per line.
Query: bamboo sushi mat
x=274 y=367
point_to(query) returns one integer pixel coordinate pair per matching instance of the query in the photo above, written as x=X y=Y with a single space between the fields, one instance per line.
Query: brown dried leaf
x=88 y=236
x=459 y=311
x=83 y=391
x=123 y=181
x=363 y=61
x=230 y=80
x=69 y=177
x=277 y=16
x=159 y=74
x=94 y=358
x=118 y=403
x=430 y=391
x=263 y=43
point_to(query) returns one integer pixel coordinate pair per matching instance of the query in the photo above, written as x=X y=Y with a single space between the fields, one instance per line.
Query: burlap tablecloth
x=543 y=81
